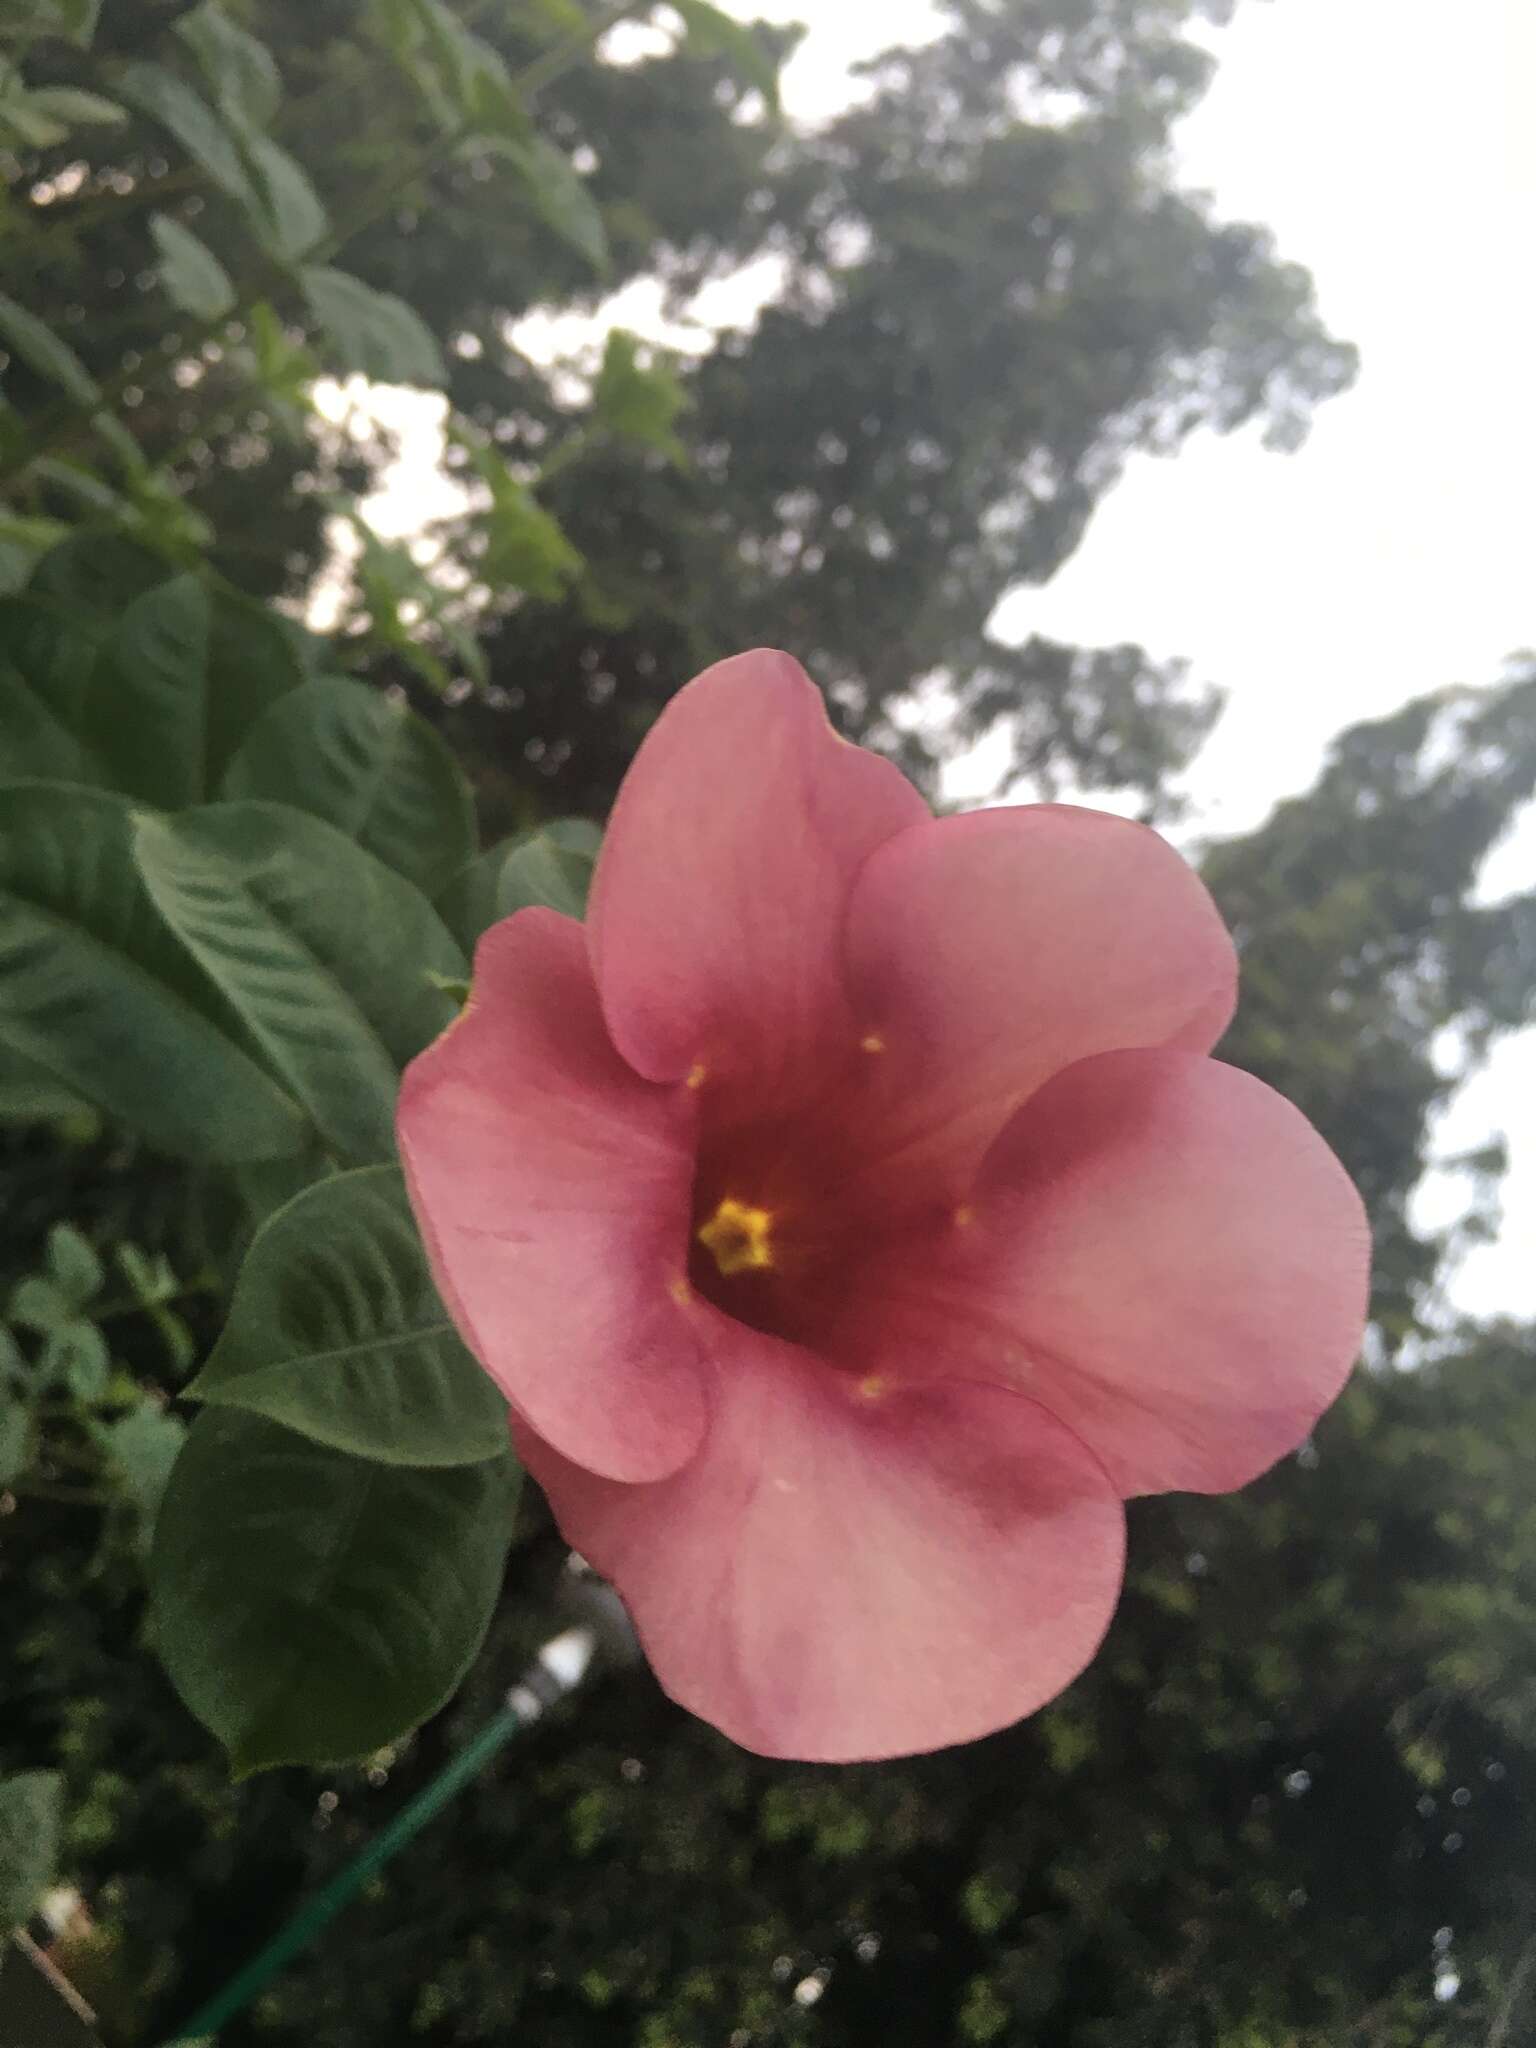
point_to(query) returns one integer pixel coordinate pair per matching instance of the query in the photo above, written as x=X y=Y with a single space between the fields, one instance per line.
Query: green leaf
x=77 y=1354
x=368 y=765
x=310 y=1606
x=183 y=675
x=31 y=1821
x=73 y=1263
x=195 y=281
x=462 y=79
x=41 y=350
x=318 y=947
x=25 y=126
x=49 y=655
x=74 y=20
x=206 y=139
x=98 y=994
x=714 y=33
x=638 y=401
x=525 y=546
x=76 y=109
x=146 y=716
x=38 y=1303
x=15 y=1436
x=286 y=211
x=373 y=332
x=337 y=1331
x=550 y=866
x=95 y=571
x=29 y=1095
x=388 y=580
x=141 y=1449
x=255 y=656
x=241 y=71
x=559 y=195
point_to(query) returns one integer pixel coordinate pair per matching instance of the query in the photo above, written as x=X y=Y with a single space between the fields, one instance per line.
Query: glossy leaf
x=367 y=765
x=311 y=1606
x=95 y=991
x=322 y=951
x=195 y=281
x=373 y=332
x=337 y=1331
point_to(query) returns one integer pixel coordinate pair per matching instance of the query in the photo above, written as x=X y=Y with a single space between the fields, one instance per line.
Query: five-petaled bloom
x=853 y=1218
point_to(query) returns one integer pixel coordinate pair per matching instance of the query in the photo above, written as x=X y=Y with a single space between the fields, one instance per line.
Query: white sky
x=1391 y=149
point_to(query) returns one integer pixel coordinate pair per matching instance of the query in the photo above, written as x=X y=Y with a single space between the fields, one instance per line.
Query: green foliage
x=366 y=765
x=638 y=402
x=322 y=952
x=550 y=866
x=95 y=991
x=30 y=1806
x=311 y=1605
x=195 y=281
x=372 y=332
x=336 y=1331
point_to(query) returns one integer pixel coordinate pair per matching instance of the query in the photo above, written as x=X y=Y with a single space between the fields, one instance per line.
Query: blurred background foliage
x=1291 y=1803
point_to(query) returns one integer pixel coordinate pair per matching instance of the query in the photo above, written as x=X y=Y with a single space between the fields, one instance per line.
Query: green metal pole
x=559 y=1667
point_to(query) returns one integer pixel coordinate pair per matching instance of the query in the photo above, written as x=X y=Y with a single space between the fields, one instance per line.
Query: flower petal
x=552 y=1188
x=1164 y=1253
x=990 y=951
x=837 y=1577
x=724 y=875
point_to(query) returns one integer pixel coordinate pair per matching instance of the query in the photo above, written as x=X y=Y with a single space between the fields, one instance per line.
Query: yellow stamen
x=698 y=1074
x=872 y=1042
x=872 y=1387
x=680 y=1291
x=964 y=1214
x=739 y=1236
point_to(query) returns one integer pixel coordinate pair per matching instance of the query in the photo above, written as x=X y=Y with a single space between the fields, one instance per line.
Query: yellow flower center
x=739 y=1237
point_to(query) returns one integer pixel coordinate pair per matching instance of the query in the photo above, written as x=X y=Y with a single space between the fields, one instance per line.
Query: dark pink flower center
x=786 y=1206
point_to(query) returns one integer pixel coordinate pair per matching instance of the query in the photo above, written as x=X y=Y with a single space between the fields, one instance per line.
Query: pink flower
x=853 y=1218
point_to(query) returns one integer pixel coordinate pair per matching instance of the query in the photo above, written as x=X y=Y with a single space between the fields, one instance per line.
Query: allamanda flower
x=854 y=1219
